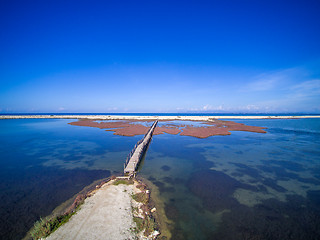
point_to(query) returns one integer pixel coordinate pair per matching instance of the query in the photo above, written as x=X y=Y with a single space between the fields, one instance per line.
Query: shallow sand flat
x=105 y=215
x=121 y=117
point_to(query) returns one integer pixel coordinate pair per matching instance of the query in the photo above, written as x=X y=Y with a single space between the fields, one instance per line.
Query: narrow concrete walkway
x=105 y=215
x=138 y=152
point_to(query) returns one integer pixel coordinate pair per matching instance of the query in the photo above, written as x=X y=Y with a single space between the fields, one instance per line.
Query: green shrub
x=141 y=197
x=44 y=227
x=150 y=226
x=139 y=222
x=147 y=225
x=123 y=181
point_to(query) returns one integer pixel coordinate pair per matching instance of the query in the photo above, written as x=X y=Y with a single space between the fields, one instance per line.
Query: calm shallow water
x=45 y=162
x=242 y=186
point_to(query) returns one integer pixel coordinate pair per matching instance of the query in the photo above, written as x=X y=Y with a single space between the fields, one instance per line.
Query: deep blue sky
x=159 y=56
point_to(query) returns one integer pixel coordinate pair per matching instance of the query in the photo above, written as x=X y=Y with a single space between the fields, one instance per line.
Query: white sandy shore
x=107 y=214
x=122 y=117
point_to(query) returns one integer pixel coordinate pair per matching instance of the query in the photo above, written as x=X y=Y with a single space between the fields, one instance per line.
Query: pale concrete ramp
x=105 y=215
x=137 y=152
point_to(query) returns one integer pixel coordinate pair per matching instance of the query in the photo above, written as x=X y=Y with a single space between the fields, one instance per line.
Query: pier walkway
x=137 y=152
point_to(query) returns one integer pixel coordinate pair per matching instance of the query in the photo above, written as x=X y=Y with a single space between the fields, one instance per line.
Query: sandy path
x=105 y=215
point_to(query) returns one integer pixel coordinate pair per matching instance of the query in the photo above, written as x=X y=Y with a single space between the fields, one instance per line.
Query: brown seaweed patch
x=167 y=129
x=219 y=127
x=234 y=126
x=133 y=128
x=203 y=132
x=102 y=125
x=123 y=128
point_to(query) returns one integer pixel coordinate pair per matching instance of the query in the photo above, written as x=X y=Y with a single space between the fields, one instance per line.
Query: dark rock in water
x=179 y=234
x=152 y=179
x=178 y=180
x=165 y=168
x=163 y=188
x=215 y=189
x=262 y=188
x=159 y=184
x=203 y=164
x=273 y=184
x=169 y=189
x=314 y=197
x=252 y=172
x=237 y=174
x=282 y=174
x=171 y=211
x=293 y=166
x=279 y=172
x=297 y=218
x=309 y=180
x=168 y=180
x=315 y=172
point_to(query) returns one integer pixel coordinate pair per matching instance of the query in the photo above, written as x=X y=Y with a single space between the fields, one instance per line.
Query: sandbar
x=152 y=118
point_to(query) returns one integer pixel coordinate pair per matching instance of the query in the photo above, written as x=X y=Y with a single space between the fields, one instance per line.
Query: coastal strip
x=151 y=118
x=119 y=208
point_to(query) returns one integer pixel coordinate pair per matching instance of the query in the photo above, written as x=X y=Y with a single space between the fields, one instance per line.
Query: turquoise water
x=242 y=186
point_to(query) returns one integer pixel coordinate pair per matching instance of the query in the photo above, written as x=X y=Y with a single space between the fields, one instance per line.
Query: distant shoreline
x=149 y=117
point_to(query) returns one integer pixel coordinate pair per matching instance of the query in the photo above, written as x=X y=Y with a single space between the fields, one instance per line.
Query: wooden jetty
x=137 y=152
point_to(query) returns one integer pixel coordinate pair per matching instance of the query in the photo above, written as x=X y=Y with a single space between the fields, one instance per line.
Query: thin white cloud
x=303 y=97
x=307 y=88
x=252 y=107
x=274 y=80
x=209 y=108
x=206 y=107
x=264 y=84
